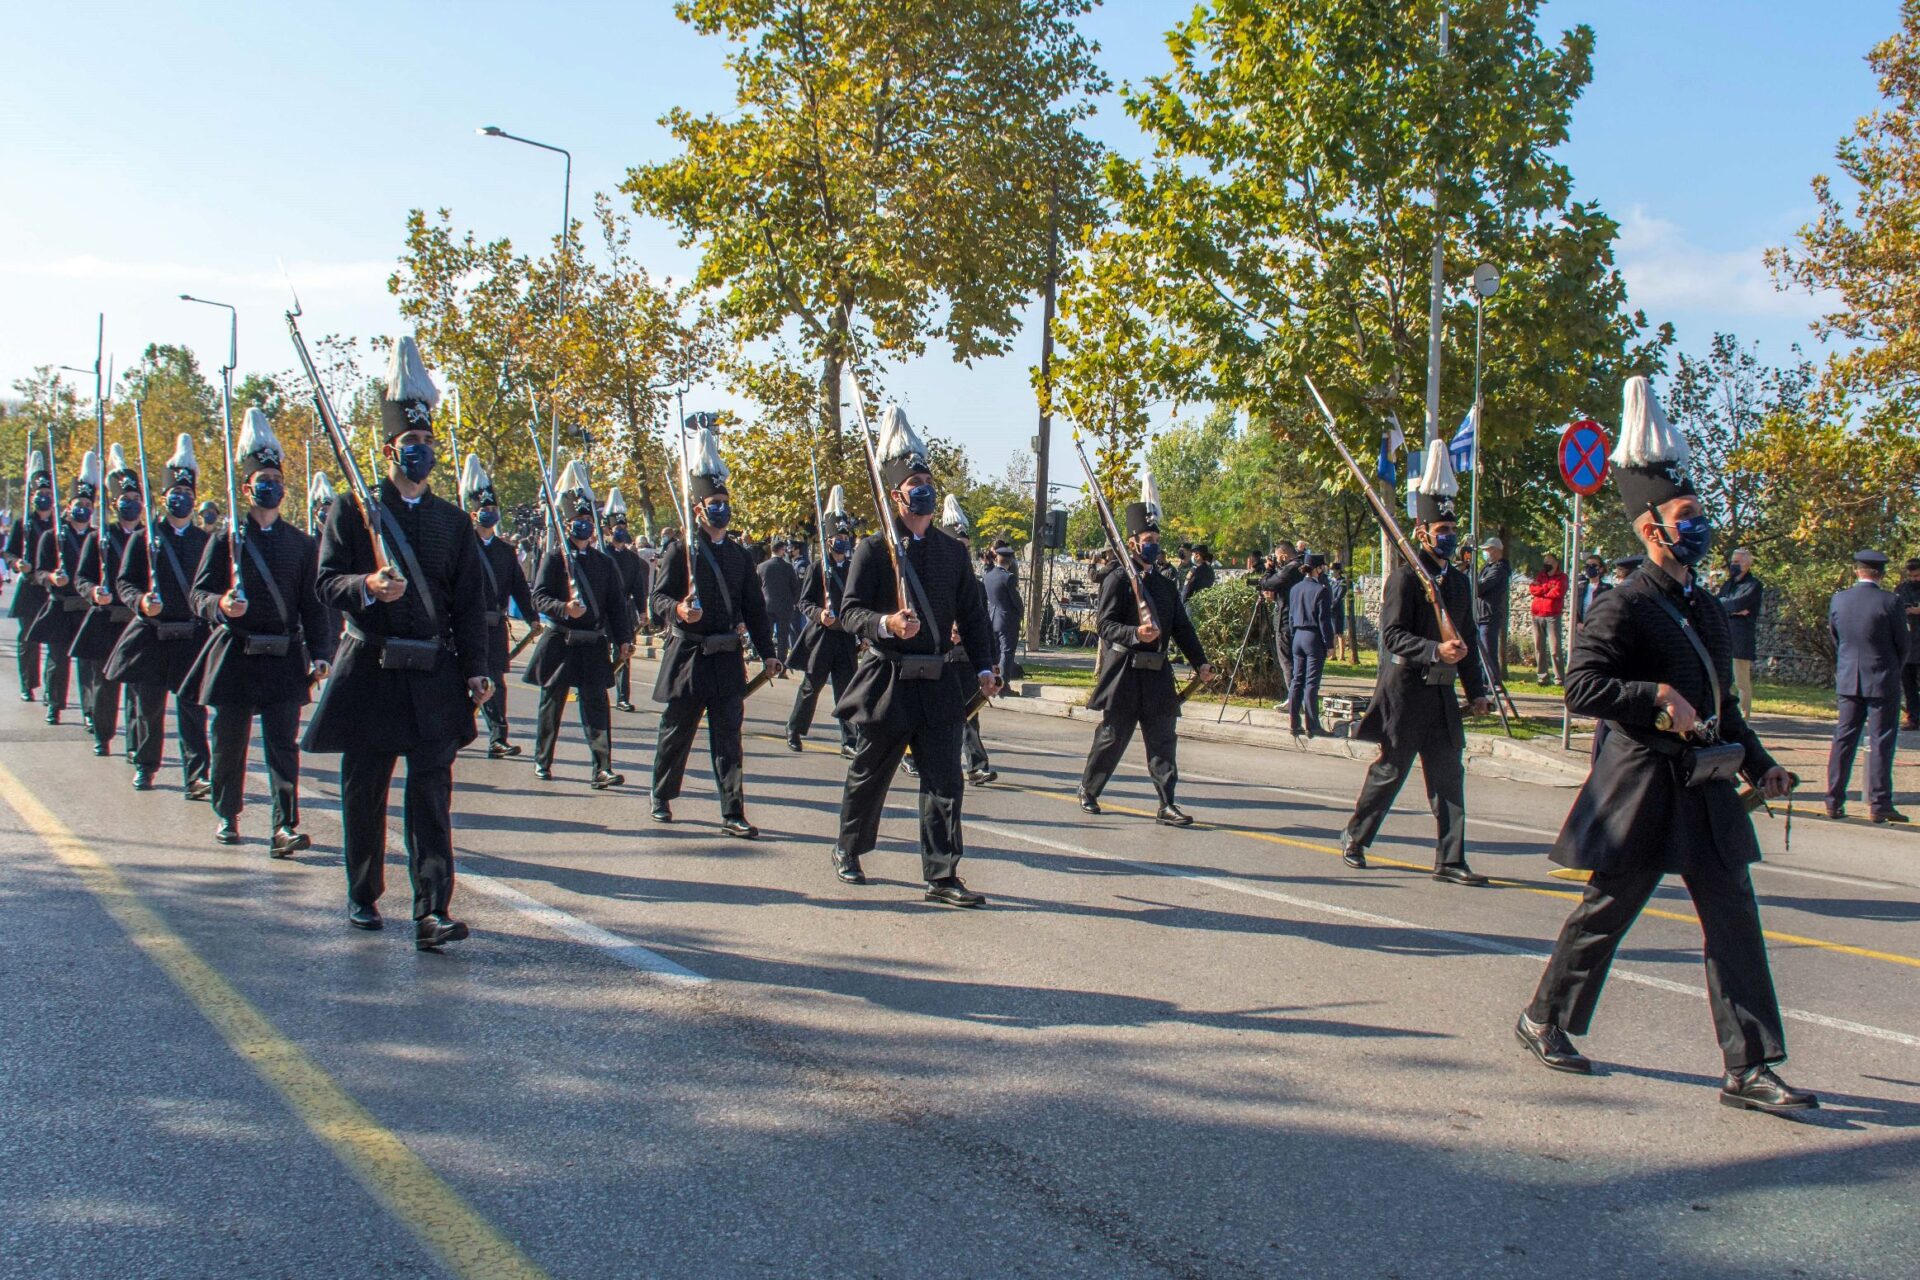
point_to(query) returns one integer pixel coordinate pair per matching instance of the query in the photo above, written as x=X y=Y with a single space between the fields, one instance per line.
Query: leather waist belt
x=917 y=666
x=397 y=653
x=119 y=613
x=72 y=604
x=172 y=632
x=1139 y=660
x=718 y=642
x=494 y=617
x=579 y=637
x=1436 y=673
x=265 y=644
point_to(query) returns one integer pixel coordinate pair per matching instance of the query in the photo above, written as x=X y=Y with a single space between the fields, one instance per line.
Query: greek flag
x=1465 y=441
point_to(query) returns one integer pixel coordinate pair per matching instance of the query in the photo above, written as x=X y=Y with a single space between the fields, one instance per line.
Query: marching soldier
x=158 y=647
x=1134 y=687
x=55 y=562
x=413 y=663
x=590 y=628
x=973 y=750
x=1414 y=709
x=826 y=651
x=506 y=583
x=701 y=671
x=1654 y=664
x=633 y=587
x=906 y=693
x=269 y=645
x=106 y=616
x=320 y=498
x=23 y=543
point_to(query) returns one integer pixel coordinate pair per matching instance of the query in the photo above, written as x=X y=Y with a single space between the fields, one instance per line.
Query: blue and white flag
x=1465 y=440
x=1391 y=441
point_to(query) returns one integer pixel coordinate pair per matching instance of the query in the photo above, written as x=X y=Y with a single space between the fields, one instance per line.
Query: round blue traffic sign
x=1583 y=457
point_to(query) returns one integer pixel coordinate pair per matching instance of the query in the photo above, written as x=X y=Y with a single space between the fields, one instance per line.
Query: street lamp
x=566 y=240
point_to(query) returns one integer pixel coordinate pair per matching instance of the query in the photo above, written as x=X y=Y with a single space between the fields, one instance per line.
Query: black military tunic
x=634 y=586
x=61 y=611
x=23 y=541
x=154 y=654
x=824 y=654
x=1135 y=684
x=100 y=631
x=506 y=584
x=577 y=653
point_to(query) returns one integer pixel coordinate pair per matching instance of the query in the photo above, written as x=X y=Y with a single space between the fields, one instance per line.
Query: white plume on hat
x=320 y=492
x=183 y=459
x=837 y=501
x=257 y=440
x=473 y=475
x=898 y=439
x=37 y=465
x=616 y=505
x=1150 y=494
x=89 y=470
x=574 y=478
x=407 y=375
x=1647 y=439
x=953 y=519
x=705 y=459
x=1437 y=479
x=117 y=460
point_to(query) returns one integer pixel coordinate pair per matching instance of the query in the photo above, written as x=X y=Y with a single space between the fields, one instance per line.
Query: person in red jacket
x=1549 y=589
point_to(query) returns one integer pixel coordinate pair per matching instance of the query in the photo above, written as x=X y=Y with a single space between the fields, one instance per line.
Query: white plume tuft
x=321 y=492
x=898 y=439
x=473 y=476
x=1436 y=477
x=257 y=439
x=616 y=505
x=837 y=501
x=117 y=460
x=37 y=465
x=407 y=375
x=89 y=470
x=1150 y=495
x=574 y=478
x=183 y=459
x=1647 y=439
x=705 y=459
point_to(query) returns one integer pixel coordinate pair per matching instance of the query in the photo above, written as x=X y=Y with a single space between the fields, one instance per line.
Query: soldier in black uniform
x=590 y=628
x=413 y=664
x=633 y=586
x=1134 y=686
x=320 y=499
x=269 y=645
x=106 y=616
x=973 y=749
x=159 y=645
x=905 y=693
x=506 y=583
x=1654 y=665
x=23 y=543
x=1414 y=709
x=826 y=651
x=56 y=559
x=701 y=671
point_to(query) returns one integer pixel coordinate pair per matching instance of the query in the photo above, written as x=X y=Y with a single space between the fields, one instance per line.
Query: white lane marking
x=1464 y=939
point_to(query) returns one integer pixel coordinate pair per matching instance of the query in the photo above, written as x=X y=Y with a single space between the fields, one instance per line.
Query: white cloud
x=315 y=277
x=1667 y=272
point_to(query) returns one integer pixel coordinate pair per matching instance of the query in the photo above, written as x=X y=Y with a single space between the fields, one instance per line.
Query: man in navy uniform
x=1005 y=611
x=1310 y=607
x=1870 y=647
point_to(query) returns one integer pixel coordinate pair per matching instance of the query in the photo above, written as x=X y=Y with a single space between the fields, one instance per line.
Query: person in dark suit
x=506 y=584
x=158 y=647
x=270 y=642
x=1134 y=686
x=589 y=633
x=906 y=693
x=1741 y=597
x=973 y=748
x=780 y=588
x=1655 y=667
x=1200 y=577
x=1491 y=603
x=1908 y=593
x=1283 y=571
x=1870 y=648
x=320 y=497
x=1005 y=611
x=634 y=586
x=106 y=617
x=56 y=561
x=22 y=544
x=413 y=666
x=702 y=672
x=1414 y=710
x=826 y=651
x=1310 y=606
x=1592 y=585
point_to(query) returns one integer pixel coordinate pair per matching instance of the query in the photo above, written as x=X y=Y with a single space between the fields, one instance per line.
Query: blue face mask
x=581 y=530
x=920 y=500
x=416 y=461
x=489 y=518
x=1149 y=552
x=1445 y=545
x=1689 y=539
x=128 y=508
x=80 y=513
x=179 y=505
x=268 y=493
x=841 y=546
x=719 y=515
x=43 y=501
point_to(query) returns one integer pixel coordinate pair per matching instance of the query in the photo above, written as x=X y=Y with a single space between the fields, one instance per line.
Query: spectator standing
x=1909 y=596
x=1549 y=591
x=1200 y=573
x=1490 y=606
x=1740 y=597
x=1338 y=589
x=1283 y=574
x=780 y=587
x=1870 y=647
x=1593 y=585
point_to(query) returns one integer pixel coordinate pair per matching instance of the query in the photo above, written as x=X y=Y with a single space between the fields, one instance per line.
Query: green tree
x=47 y=401
x=1721 y=401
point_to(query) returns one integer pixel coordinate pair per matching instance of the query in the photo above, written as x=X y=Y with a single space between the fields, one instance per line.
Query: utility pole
x=1435 y=306
x=1036 y=576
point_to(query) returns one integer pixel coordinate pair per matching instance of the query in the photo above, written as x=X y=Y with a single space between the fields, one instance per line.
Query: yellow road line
x=464 y=1241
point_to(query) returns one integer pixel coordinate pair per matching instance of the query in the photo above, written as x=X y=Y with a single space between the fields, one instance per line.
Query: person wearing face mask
x=780 y=588
x=1310 y=608
x=1870 y=647
x=1415 y=711
x=633 y=585
x=701 y=671
x=320 y=498
x=106 y=617
x=506 y=584
x=589 y=634
x=158 y=647
x=1134 y=687
x=55 y=562
x=22 y=544
x=1655 y=667
x=210 y=517
x=826 y=651
x=1593 y=585
x=269 y=643
x=906 y=693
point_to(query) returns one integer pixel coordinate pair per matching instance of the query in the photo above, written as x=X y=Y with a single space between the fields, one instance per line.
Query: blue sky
x=150 y=150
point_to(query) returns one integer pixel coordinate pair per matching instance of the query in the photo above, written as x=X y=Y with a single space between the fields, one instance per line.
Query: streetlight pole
x=226 y=370
x=1486 y=283
x=1435 y=306
x=1042 y=440
x=566 y=241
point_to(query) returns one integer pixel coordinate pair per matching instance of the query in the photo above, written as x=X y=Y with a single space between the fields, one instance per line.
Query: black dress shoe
x=287 y=842
x=846 y=752
x=1172 y=815
x=981 y=777
x=26 y=695
x=952 y=893
x=501 y=750
x=1836 y=811
x=605 y=778
x=1458 y=873
x=661 y=813
x=1354 y=856
x=102 y=749
x=1761 y=1090
x=1551 y=1045
x=199 y=789
x=793 y=742
x=53 y=717
x=1891 y=815
x=228 y=831
x=433 y=932
x=367 y=917
x=87 y=720
x=740 y=829
x=847 y=867
x=143 y=779
x=1088 y=804
x=543 y=773
x=624 y=706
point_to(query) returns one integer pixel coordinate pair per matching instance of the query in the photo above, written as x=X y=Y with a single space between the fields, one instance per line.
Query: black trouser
x=623 y=682
x=1910 y=686
x=426 y=823
x=89 y=672
x=105 y=704
x=800 y=719
x=974 y=749
x=679 y=722
x=1283 y=648
x=494 y=711
x=232 y=734
x=27 y=657
x=1303 y=699
x=936 y=750
x=58 y=671
x=1446 y=780
x=1880 y=718
x=596 y=721
x=1493 y=648
x=148 y=723
x=1746 y=1014
x=1114 y=734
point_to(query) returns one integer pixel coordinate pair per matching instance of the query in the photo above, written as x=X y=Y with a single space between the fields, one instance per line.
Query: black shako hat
x=706 y=469
x=1650 y=460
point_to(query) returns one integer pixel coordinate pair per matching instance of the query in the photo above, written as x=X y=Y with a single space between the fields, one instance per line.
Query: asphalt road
x=1212 y=1052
